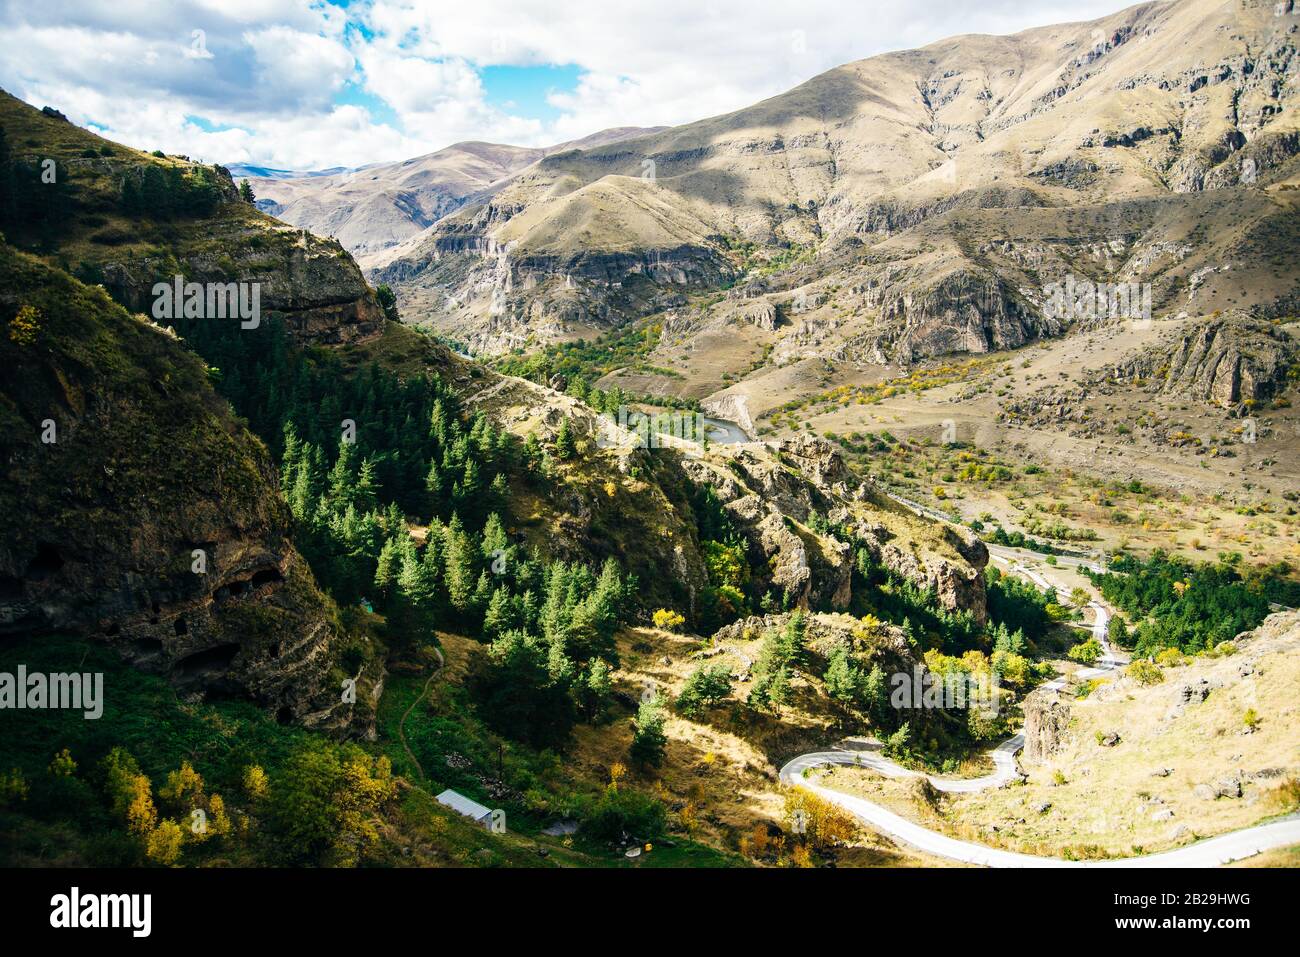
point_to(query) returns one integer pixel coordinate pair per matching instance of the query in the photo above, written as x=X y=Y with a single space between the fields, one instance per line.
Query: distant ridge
x=372 y=208
x=248 y=171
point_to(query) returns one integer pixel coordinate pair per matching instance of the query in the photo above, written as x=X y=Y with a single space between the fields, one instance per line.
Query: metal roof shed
x=463 y=805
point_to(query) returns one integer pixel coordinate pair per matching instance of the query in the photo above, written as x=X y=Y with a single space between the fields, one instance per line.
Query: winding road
x=800 y=772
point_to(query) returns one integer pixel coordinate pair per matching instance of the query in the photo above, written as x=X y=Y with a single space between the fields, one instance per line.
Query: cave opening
x=266 y=576
x=146 y=646
x=47 y=562
x=210 y=661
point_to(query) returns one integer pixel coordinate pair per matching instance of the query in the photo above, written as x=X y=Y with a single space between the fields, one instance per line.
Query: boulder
x=1228 y=786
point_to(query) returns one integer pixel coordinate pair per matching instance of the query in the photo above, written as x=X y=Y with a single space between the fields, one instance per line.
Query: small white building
x=463 y=805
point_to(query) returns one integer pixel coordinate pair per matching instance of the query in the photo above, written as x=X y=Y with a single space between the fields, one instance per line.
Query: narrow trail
x=800 y=771
x=401 y=725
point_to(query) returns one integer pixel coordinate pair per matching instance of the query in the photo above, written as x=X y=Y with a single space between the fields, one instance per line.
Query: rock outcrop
x=965 y=310
x=137 y=510
x=1047 y=718
x=1233 y=362
x=309 y=282
x=1229 y=361
x=731 y=406
x=771 y=506
x=774 y=493
x=759 y=313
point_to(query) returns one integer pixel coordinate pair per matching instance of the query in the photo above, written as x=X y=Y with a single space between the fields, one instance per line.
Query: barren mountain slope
x=942 y=188
x=375 y=207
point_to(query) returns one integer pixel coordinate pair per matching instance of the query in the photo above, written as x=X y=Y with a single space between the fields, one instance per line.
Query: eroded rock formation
x=138 y=511
x=1047 y=718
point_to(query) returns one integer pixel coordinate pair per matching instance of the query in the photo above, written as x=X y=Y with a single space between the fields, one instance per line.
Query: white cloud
x=411 y=84
x=285 y=75
x=303 y=68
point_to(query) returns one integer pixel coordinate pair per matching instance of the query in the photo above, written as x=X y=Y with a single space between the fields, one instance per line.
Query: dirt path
x=401 y=725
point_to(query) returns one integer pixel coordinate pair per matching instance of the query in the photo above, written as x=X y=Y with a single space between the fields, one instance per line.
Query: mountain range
x=372 y=208
x=913 y=204
x=988 y=341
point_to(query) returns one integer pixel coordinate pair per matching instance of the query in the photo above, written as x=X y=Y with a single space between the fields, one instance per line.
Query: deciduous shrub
x=1086 y=652
x=668 y=619
x=822 y=824
x=164 y=843
x=25 y=328
x=1144 y=672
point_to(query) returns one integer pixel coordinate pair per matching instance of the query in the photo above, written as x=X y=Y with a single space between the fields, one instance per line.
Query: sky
x=310 y=84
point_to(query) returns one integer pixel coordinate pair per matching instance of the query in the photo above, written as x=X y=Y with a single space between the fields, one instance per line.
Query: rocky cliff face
x=772 y=494
x=772 y=506
x=1234 y=362
x=966 y=310
x=311 y=283
x=127 y=247
x=138 y=511
x=1229 y=361
x=494 y=297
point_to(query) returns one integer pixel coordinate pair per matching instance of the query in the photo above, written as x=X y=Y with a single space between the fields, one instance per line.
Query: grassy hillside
x=126 y=219
x=320 y=802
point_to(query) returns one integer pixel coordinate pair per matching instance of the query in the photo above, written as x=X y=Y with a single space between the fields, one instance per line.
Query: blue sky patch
x=378 y=108
x=207 y=126
x=522 y=90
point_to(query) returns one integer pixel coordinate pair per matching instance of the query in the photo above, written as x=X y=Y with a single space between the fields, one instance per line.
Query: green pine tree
x=387 y=568
x=499 y=616
x=596 y=688
x=458 y=567
x=564 y=444
x=842 y=679
x=648 y=738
